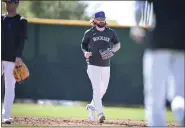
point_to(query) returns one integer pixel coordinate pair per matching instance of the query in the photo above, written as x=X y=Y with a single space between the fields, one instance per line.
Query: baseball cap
x=100 y=14
x=16 y=1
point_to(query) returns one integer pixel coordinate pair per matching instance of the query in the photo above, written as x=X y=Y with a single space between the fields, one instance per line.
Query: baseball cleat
x=101 y=118
x=91 y=111
x=7 y=121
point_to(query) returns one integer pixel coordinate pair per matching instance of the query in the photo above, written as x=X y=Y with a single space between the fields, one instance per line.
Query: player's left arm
x=116 y=42
x=22 y=38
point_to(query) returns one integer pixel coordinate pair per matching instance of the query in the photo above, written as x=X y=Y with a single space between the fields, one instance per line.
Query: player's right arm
x=85 y=45
x=85 y=42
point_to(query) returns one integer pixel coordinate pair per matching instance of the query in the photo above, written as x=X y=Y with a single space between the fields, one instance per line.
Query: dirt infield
x=52 y=121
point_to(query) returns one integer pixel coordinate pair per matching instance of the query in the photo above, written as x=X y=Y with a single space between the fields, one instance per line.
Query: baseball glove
x=106 y=54
x=20 y=71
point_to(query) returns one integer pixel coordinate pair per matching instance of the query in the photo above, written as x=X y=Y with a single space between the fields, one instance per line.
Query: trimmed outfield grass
x=79 y=112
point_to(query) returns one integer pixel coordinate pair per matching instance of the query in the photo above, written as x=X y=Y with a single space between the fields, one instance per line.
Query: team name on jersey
x=101 y=38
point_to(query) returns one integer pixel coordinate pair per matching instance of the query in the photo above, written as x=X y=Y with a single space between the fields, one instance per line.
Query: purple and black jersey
x=95 y=40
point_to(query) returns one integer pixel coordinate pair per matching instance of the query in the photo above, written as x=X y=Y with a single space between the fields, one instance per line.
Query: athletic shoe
x=101 y=118
x=91 y=111
x=7 y=121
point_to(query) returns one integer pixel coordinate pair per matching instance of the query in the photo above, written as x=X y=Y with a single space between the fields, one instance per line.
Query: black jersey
x=14 y=33
x=169 y=31
x=95 y=40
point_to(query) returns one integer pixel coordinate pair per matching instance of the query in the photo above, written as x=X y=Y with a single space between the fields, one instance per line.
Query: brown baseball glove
x=20 y=71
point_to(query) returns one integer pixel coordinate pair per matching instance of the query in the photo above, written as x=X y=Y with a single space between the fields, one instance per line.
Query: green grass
x=80 y=112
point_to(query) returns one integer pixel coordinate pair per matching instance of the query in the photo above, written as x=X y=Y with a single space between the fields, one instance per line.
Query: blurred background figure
x=164 y=55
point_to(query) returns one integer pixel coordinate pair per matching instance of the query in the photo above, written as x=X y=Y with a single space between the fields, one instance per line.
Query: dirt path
x=52 y=121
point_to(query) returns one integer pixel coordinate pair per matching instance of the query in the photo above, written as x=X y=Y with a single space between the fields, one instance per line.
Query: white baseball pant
x=99 y=77
x=7 y=70
x=158 y=67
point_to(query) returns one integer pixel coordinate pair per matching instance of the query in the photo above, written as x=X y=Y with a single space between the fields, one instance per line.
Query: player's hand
x=137 y=34
x=87 y=54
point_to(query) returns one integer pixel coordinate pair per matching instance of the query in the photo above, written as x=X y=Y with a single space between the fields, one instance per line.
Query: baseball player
x=14 y=33
x=163 y=58
x=99 y=44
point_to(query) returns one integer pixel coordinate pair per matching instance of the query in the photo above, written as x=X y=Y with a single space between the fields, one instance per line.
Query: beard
x=101 y=24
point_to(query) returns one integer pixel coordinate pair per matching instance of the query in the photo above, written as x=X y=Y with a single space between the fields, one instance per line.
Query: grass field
x=80 y=112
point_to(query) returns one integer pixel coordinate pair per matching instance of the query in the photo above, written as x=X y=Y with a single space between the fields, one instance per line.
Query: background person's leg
x=155 y=70
x=177 y=69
